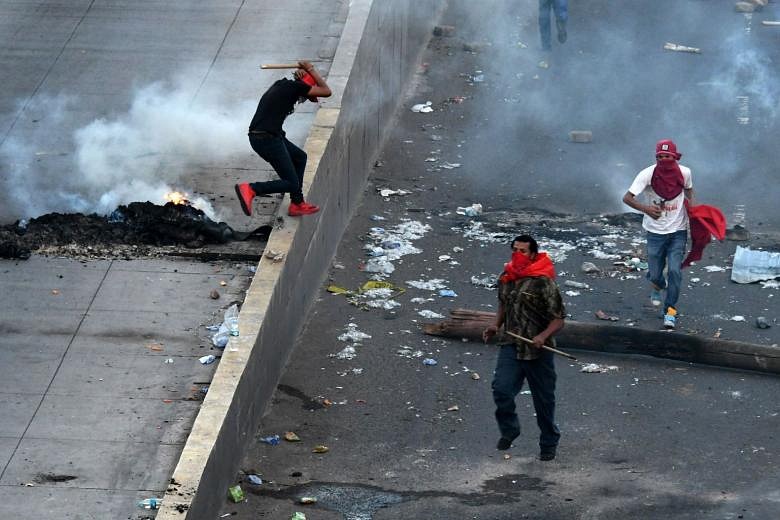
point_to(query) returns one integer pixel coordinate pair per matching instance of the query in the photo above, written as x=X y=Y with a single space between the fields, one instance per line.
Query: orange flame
x=177 y=197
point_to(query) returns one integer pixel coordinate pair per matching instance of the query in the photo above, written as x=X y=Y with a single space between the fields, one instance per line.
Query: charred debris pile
x=132 y=230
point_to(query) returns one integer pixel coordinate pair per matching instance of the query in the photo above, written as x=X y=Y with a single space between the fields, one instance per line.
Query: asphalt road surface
x=647 y=438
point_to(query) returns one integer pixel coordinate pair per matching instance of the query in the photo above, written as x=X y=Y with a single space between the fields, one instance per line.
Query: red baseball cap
x=667 y=146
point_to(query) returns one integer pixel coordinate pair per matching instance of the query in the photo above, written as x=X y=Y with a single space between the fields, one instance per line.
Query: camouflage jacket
x=530 y=304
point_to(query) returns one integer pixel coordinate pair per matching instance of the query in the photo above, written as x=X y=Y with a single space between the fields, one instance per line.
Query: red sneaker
x=310 y=206
x=245 y=196
x=297 y=210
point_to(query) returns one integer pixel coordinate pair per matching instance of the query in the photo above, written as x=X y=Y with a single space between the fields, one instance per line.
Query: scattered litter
x=254 y=479
x=449 y=165
x=737 y=318
x=444 y=258
x=347 y=353
x=430 y=314
x=771 y=23
x=387 y=192
x=430 y=362
x=407 y=352
x=307 y=500
x=273 y=440
x=762 y=323
x=453 y=408
x=544 y=65
x=695 y=280
x=335 y=289
x=220 y=339
x=206 y=360
x=475 y=376
x=433 y=284
x=320 y=449
x=353 y=334
x=596 y=368
x=168 y=361
x=753 y=266
x=470 y=211
x=681 y=48
x=298 y=516
x=604 y=316
x=714 y=269
x=576 y=285
x=377 y=218
x=214 y=294
x=236 y=493
x=601 y=255
x=717 y=333
x=589 y=267
x=291 y=437
x=150 y=503
x=488 y=282
x=274 y=256
x=447 y=293
x=422 y=107
x=581 y=136
x=572 y=293
x=772 y=284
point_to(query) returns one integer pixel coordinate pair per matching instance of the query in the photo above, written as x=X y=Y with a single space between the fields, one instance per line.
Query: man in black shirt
x=270 y=142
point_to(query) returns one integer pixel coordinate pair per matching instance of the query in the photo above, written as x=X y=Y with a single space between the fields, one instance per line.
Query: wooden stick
x=545 y=347
x=279 y=66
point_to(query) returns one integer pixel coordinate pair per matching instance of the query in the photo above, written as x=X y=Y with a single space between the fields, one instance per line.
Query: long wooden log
x=617 y=339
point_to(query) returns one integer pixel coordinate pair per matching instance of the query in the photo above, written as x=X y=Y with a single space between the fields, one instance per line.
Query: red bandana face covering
x=667 y=179
x=521 y=266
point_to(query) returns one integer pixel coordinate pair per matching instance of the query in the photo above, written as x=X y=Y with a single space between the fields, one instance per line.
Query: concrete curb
x=347 y=132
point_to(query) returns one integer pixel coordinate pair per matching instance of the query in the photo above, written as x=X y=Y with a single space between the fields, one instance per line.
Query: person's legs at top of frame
x=561 y=9
x=544 y=24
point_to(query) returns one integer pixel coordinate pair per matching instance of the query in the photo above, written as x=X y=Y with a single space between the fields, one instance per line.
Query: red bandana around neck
x=667 y=180
x=522 y=267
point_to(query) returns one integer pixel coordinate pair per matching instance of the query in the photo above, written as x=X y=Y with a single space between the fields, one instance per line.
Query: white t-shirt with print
x=674 y=217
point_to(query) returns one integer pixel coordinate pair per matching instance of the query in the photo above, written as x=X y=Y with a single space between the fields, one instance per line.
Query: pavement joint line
x=45 y=77
x=59 y=365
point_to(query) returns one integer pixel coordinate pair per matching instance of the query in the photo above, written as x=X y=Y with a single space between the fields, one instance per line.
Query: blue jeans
x=666 y=251
x=287 y=160
x=561 y=9
x=508 y=381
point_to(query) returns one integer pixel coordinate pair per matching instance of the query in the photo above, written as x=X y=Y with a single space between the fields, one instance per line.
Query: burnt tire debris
x=136 y=224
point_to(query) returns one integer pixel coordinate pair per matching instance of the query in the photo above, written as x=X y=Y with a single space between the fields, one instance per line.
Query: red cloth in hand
x=521 y=267
x=705 y=222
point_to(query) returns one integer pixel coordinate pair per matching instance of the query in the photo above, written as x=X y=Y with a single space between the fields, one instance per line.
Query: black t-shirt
x=276 y=104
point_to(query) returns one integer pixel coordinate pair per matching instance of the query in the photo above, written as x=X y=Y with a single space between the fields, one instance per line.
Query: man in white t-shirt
x=664 y=188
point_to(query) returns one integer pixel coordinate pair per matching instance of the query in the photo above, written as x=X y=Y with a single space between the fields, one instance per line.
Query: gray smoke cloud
x=614 y=77
x=138 y=155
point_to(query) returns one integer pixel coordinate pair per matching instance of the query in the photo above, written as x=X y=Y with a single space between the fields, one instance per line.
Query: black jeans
x=286 y=159
x=508 y=381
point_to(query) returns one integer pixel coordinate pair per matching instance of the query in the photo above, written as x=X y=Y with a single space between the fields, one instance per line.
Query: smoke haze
x=138 y=155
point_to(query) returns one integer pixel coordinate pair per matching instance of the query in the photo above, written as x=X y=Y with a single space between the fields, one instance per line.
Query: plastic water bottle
x=150 y=503
x=231 y=319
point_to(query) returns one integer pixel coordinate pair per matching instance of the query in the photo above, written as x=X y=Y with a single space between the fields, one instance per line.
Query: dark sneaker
x=655 y=297
x=504 y=444
x=547 y=454
x=561 y=31
x=245 y=195
x=298 y=210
